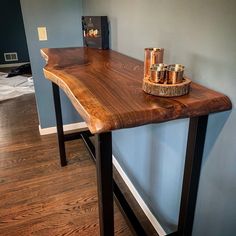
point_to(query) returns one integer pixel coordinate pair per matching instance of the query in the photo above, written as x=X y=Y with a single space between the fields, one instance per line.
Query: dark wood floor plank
x=37 y=196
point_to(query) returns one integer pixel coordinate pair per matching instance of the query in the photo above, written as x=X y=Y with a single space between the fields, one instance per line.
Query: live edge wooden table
x=105 y=87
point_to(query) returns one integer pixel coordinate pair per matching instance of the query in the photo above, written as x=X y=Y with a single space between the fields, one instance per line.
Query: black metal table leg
x=103 y=147
x=194 y=153
x=60 y=132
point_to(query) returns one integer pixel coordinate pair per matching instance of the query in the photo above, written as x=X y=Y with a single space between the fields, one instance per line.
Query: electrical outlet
x=10 y=56
x=42 y=33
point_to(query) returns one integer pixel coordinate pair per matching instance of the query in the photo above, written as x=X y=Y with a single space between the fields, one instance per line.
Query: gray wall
x=13 y=34
x=201 y=35
x=62 y=19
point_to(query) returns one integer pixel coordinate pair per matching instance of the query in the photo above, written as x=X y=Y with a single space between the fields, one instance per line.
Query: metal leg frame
x=106 y=185
x=194 y=153
x=60 y=132
x=62 y=138
x=103 y=144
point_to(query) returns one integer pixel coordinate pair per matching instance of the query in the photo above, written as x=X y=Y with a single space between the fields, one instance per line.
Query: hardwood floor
x=37 y=196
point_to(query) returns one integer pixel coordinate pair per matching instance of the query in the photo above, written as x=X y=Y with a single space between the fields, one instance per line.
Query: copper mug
x=174 y=74
x=158 y=73
x=152 y=56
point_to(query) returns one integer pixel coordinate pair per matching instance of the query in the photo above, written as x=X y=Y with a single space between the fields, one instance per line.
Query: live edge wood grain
x=106 y=89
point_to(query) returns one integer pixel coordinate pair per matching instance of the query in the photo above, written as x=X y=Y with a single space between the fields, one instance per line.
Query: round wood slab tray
x=166 y=90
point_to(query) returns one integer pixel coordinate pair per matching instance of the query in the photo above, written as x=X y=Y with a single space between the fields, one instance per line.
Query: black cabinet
x=95 y=32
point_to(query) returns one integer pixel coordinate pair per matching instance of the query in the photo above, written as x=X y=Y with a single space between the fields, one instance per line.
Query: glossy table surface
x=106 y=89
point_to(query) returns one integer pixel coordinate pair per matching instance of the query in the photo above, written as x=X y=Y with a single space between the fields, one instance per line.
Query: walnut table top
x=106 y=89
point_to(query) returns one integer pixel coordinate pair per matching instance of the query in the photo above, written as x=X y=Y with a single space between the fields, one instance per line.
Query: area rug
x=15 y=86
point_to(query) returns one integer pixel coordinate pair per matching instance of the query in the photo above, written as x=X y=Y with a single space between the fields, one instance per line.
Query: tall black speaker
x=95 y=32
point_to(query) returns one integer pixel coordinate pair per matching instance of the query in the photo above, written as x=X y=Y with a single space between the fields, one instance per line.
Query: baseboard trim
x=13 y=64
x=80 y=126
x=157 y=226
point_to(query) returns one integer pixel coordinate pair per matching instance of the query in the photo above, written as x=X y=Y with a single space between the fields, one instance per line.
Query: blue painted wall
x=63 y=22
x=201 y=35
x=12 y=31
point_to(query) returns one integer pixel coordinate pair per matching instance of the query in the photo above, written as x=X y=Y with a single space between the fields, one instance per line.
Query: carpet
x=15 y=86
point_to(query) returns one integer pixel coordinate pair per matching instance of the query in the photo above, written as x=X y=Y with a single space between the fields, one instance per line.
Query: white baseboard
x=13 y=64
x=157 y=226
x=81 y=126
